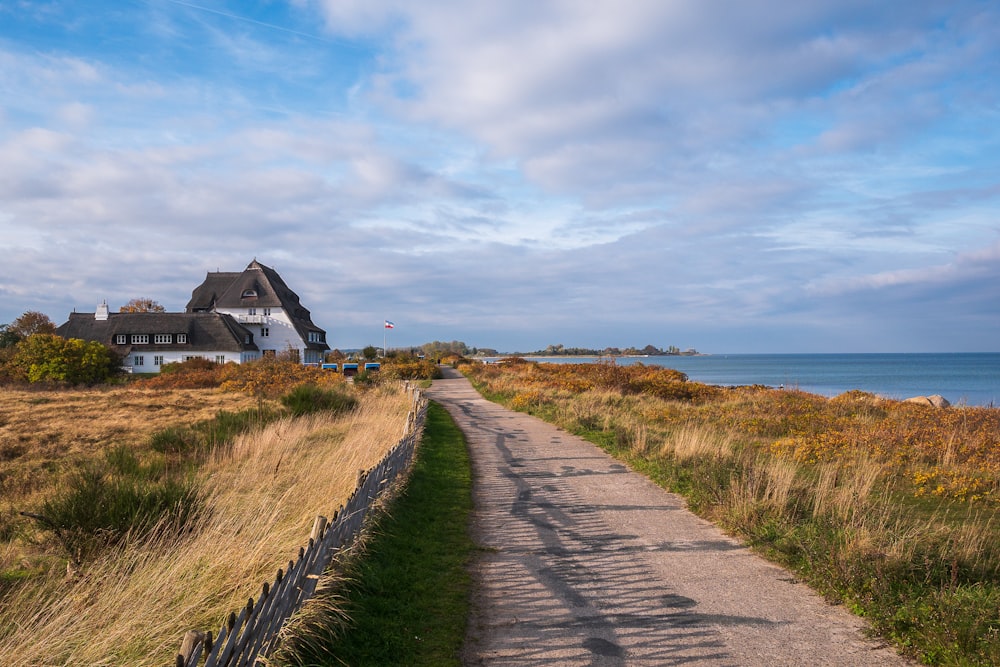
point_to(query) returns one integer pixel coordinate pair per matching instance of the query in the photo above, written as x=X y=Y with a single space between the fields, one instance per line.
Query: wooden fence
x=253 y=633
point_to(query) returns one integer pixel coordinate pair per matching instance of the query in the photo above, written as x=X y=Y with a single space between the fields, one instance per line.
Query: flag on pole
x=389 y=325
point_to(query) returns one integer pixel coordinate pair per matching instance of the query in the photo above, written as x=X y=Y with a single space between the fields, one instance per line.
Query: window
x=138 y=360
x=248 y=339
x=315 y=337
x=182 y=338
x=264 y=332
x=251 y=311
x=248 y=293
x=121 y=339
x=267 y=312
x=140 y=339
x=161 y=338
x=158 y=360
x=220 y=359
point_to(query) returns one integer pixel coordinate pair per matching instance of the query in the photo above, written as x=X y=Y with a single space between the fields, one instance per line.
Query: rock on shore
x=936 y=400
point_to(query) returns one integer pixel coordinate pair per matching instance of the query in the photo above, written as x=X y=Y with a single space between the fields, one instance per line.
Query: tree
x=142 y=305
x=370 y=352
x=30 y=323
x=439 y=348
x=50 y=358
x=8 y=338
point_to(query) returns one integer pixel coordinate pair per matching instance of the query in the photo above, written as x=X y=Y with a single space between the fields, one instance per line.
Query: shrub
x=50 y=358
x=273 y=377
x=99 y=506
x=194 y=373
x=227 y=425
x=307 y=398
x=404 y=367
x=174 y=440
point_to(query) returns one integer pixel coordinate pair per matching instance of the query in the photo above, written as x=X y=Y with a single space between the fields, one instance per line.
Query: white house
x=232 y=317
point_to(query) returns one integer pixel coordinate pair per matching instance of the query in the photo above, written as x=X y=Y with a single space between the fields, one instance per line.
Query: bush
x=50 y=358
x=271 y=376
x=176 y=440
x=194 y=373
x=99 y=506
x=227 y=425
x=403 y=367
x=307 y=398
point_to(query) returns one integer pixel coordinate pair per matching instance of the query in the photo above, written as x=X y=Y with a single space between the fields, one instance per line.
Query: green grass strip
x=407 y=597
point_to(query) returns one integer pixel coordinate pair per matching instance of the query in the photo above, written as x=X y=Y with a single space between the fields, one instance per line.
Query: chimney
x=102 y=312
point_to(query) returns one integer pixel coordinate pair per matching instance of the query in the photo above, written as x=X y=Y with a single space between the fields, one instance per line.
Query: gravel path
x=584 y=562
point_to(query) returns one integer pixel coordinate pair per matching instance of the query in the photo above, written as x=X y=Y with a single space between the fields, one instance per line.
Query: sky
x=735 y=177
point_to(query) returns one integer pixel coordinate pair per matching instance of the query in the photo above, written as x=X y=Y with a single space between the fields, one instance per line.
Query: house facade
x=232 y=317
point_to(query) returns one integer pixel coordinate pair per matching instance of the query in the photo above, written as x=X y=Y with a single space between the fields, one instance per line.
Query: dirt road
x=585 y=562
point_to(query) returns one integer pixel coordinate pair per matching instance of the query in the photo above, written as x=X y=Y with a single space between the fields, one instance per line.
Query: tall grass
x=405 y=599
x=260 y=496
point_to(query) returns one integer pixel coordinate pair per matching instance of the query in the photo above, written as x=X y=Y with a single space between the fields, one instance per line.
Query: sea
x=963 y=378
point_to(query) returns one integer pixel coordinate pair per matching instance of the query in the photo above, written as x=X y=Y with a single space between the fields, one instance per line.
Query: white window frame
x=140 y=339
x=138 y=360
x=121 y=339
x=220 y=359
x=182 y=338
x=267 y=312
x=161 y=339
x=157 y=359
x=265 y=332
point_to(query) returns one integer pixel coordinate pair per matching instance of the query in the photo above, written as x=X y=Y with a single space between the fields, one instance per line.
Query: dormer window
x=182 y=338
x=249 y=294
x=121 y=339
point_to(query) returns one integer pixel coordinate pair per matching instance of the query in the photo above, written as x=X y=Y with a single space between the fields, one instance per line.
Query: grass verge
x=406 y=596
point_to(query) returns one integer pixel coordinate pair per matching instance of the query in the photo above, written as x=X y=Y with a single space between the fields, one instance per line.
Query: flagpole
x=386 y=325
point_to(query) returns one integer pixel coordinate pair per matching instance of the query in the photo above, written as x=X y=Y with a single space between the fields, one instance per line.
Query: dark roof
x=206 y=332
x=258 y=286
x=204 y=297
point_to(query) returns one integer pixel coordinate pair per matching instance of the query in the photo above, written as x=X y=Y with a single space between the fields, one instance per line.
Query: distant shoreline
x=524 y=355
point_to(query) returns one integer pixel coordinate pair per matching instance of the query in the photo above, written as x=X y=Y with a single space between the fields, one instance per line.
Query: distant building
x=231 y=317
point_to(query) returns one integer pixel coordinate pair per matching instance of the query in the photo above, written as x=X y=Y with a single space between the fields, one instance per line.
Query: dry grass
x=264 y=492
x=693 y=441
x=43 y=433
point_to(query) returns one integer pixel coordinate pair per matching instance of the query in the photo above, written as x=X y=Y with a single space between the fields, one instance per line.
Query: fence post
x=192 y=639
x=319 y=526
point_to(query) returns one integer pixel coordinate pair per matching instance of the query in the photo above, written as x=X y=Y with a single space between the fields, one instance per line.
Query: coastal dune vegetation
x=886 y=506
x=131 y=514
